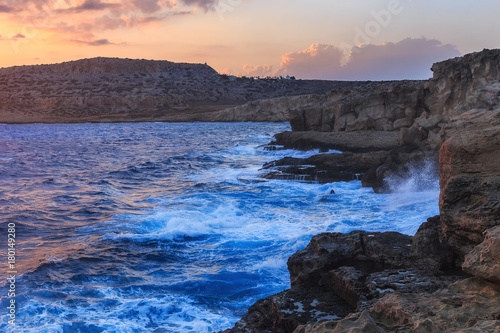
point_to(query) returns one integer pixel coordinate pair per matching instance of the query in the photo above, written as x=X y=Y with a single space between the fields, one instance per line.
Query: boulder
x=403 y=122
x=285 y=311
x=367 y=252
x=429 y=121
x=484 y=260
x=428 y=246
x=361 y=124
x=469 y=165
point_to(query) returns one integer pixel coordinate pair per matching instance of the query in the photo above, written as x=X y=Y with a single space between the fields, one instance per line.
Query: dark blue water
x=157 y=227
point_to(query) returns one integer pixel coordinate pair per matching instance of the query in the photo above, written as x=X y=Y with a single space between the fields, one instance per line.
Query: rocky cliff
x=446 y=277
x=112 y=89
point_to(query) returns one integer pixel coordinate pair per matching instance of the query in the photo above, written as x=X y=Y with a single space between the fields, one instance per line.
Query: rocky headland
x=127 y=90
x=445 y=278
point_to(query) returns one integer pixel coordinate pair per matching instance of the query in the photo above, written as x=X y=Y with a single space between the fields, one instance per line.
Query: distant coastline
x=127 y=90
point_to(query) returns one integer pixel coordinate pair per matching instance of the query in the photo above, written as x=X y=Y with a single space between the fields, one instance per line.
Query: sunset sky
x=327 y=39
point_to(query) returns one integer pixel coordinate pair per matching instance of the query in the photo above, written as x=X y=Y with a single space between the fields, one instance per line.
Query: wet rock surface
x=325 y=167
x=362 y=141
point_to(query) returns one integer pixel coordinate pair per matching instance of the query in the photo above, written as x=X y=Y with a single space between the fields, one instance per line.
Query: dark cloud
x=205 y=4
x=15 y=37
x=98 y=42
x=90 y=5
x=147 y=6
x=407 y=59
x=6 y=9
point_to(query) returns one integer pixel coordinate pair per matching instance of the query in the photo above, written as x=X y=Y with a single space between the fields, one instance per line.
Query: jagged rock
x=367 y=106
x=469 y=165
x=417 y=109
x=471 y=146
x=353 y=323
x=347 y=283
x=376 y=178
x=287 y=310
x=470 y=305
x=339 y=273
x=412 y=135
x=432 y=252
x=484 y=260
x=367 y=252
x=361 y=124
x=465 y=83
x=364 y=141
x=430 y=121
x=325 y=167
x=403 y=122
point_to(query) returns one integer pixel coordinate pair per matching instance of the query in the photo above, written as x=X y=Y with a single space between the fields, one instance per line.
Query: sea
x=164 y=227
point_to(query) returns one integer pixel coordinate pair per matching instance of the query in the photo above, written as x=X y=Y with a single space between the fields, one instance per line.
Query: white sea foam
x=124 y=314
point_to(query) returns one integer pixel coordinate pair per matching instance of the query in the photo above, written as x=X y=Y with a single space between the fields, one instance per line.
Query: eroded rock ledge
x=443 y=279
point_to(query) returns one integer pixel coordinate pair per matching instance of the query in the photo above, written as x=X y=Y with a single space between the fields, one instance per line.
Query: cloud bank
x=407 y=59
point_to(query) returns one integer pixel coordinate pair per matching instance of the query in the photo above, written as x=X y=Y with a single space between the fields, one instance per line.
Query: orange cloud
x=86 y=19
x=258 y=70
x=312 y=62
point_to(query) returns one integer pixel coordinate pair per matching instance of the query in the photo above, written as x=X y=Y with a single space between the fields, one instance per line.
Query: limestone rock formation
x=465 y=83
x=266 y=110
x=470 y=179
x=373 y=106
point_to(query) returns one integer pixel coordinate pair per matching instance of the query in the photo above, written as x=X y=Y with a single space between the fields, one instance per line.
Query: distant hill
x=114 y=89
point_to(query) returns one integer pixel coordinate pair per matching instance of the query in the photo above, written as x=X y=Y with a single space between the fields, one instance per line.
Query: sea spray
x=419 y=177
